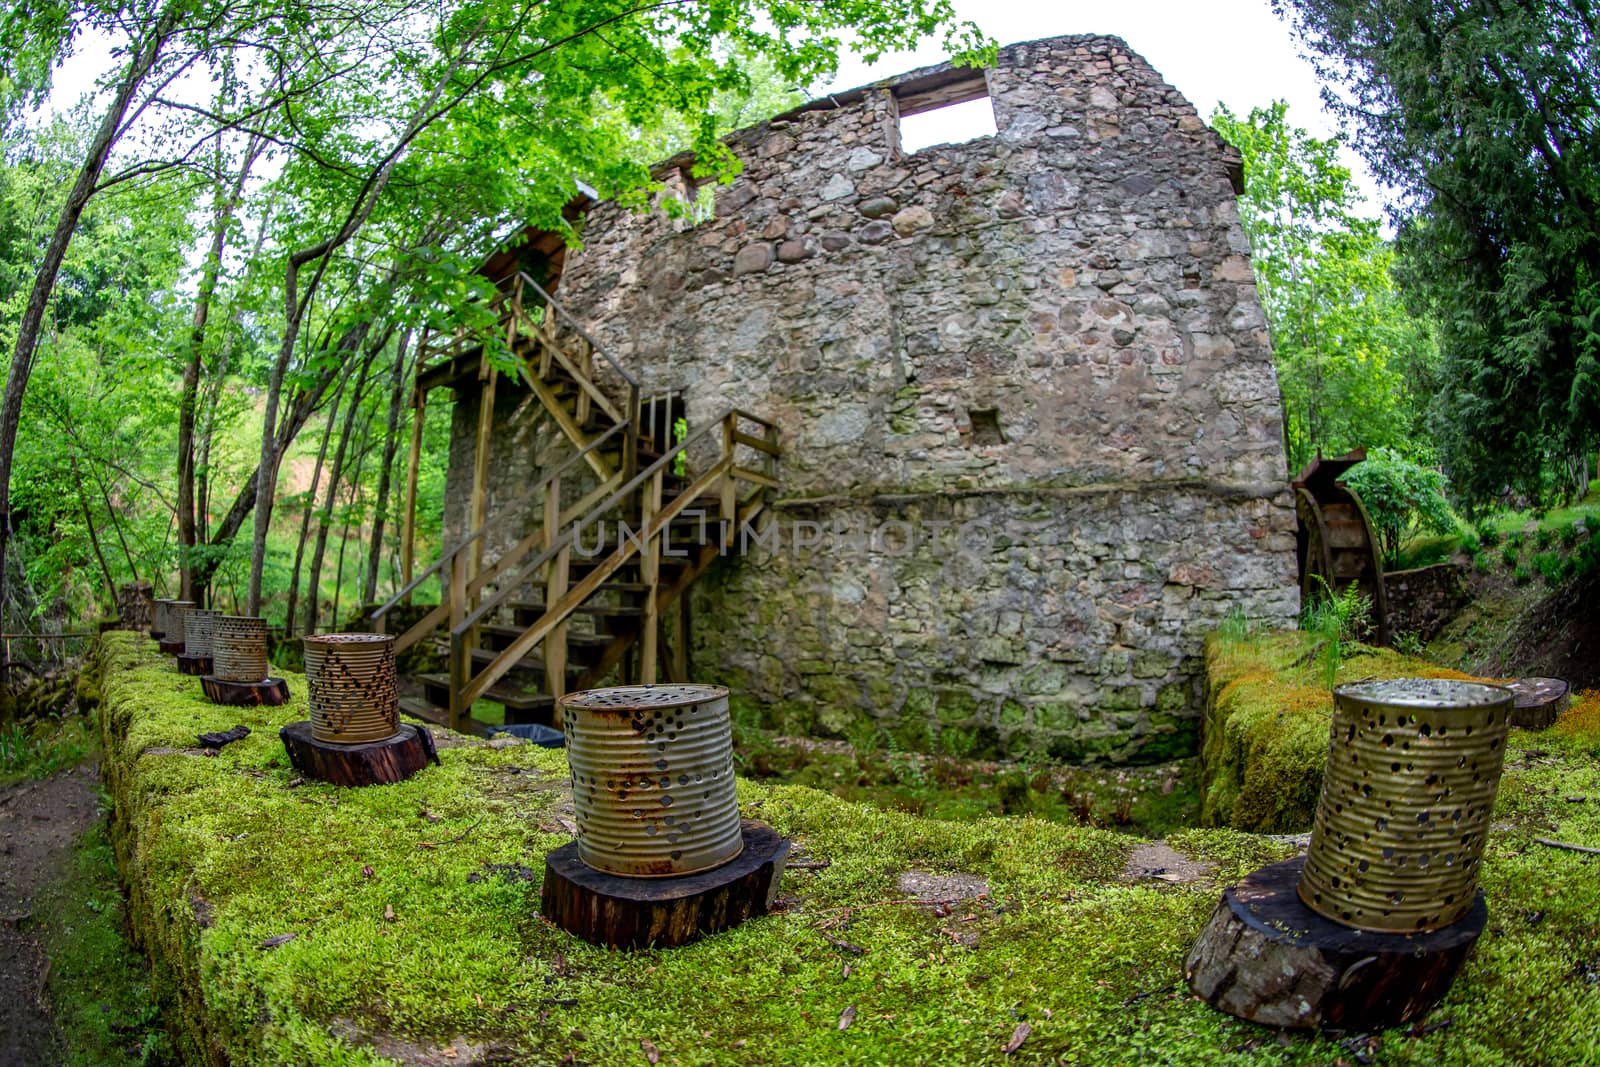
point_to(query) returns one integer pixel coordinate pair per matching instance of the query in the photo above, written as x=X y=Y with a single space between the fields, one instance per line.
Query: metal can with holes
x=1413 y=767
x=169 y=619
x=652 y=778
x=196 y=630
x=351 y=687
x=239 y=648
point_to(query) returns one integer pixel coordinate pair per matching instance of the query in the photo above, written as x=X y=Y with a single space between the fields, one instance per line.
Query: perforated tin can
x=652 y=778
x=169 y=618
x=197 y=623
x=350 y=686
x=239 y=648
x=1413 y=767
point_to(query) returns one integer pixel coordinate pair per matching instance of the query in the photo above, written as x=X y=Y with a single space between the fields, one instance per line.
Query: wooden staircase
x=622 y=527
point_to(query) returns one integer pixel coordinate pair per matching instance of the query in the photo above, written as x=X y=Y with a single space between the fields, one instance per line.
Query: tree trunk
x=301 y=409
x=222 y=216
x=391 y=438
x=314 y=582
x=311 y=507
x=55 y=252
x=88 y=523
x=351 y=508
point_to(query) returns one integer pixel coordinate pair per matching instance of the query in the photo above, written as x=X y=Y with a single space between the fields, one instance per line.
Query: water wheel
x=1335 y=543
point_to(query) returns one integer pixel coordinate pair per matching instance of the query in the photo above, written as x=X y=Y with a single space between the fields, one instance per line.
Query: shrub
x=1551 y=567
x=1401 y=498
x=1509 y=555
x=1571 y=533
x=1488 y=533
x=1522 y=576
x=1543 y=537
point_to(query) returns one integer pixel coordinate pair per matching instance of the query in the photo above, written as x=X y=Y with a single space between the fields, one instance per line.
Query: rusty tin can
x=351 y=687
x=239 y=648
x=196 y=630
x=169 y=618
x=1413 y=767
x=652 y=778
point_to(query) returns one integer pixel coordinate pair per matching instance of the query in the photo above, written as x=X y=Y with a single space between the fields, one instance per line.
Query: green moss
x=1266 y=731
x=222 y=854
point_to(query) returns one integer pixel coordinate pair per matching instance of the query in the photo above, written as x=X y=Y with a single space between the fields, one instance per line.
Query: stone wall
x=1423 y=600
x=1052 y=333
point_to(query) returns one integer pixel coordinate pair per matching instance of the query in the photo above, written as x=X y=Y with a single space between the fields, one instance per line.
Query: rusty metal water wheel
x=1335 y=543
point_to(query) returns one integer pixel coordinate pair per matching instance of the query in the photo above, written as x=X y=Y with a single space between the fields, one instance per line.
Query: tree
x=1347 y=352
x=1482 y=115
x=1401 y=498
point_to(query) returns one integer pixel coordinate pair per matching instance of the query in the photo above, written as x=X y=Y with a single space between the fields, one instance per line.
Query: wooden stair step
x=534 y=664
x=536 y=608
x=574 y=640
x=508 y=695
x=419 y=708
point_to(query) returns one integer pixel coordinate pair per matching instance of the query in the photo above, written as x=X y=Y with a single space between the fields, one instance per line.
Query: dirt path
x=39 y=824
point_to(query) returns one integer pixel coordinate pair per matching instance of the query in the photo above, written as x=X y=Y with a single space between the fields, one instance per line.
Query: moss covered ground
x=294 y=923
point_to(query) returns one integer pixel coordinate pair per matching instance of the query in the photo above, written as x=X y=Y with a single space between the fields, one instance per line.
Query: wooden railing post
x=461 y=644
x=555 y=588
x=729 y=495
x=650 y=575
x=478 y=505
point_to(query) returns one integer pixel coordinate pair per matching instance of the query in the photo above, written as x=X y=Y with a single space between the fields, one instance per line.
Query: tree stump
x=393 y=759
x=1540 y=701
x=196 y=665
x=619 y=912
x=136 y=606
x=1268 y=958
x=269 y=691
x=171 y=648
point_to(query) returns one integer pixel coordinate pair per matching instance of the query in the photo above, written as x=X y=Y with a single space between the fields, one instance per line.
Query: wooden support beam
x=650 y=575
x=574 y=433
x=461 y=644
x=555 y=589
x=479 y=502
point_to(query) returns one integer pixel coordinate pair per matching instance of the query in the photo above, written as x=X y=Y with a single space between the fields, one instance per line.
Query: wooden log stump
x=195 y=665
x=269 y=691
x=619 y=912
x=1540 y=701
x=1268 y=958
x=393 y=759
x=171 y=648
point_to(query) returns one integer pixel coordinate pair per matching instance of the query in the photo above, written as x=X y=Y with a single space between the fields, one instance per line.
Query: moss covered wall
x=296 y=924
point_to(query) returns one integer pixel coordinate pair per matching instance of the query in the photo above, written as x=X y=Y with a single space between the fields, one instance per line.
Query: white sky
x=1231 y=51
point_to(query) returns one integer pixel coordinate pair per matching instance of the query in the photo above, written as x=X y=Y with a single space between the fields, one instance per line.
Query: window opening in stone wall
x=986 y=426
x=949 y=114
x=699 y=197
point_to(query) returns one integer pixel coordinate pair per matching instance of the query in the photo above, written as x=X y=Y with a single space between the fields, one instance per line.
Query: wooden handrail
x=509 y=509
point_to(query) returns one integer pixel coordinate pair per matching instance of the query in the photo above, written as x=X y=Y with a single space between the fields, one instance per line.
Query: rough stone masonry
x=1025 y=388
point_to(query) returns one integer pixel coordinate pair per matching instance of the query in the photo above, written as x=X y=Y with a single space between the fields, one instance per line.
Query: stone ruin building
x=1031 y=447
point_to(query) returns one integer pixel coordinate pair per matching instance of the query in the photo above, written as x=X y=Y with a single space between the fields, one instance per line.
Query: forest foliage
x=215 y=268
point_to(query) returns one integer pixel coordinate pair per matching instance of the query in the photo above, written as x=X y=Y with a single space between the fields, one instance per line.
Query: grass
x=223 y=857
x=99 y=985
x=43 y=746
